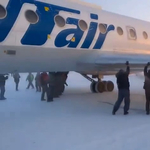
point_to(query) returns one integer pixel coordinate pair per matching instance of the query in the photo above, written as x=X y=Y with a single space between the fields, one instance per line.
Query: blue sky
x=139 y=9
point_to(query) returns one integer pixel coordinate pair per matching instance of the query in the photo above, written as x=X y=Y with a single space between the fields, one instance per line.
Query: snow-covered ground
x=78 y=120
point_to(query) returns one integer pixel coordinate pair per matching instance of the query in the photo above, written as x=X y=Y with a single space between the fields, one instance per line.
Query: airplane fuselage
x=50 y=35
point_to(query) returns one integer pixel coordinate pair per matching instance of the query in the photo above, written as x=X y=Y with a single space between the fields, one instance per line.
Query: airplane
x=70 y=35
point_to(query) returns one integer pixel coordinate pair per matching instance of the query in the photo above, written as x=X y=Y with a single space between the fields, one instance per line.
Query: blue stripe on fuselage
x=61 y=38
x=102 y=37
x=13 y=8
x=37 y=33
x=90 y=36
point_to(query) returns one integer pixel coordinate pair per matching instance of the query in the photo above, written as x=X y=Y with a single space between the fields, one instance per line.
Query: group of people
x=44 y=83
x=29 y=78
x=124 y=89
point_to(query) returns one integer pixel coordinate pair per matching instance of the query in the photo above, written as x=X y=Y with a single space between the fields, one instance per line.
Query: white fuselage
x=89 y=37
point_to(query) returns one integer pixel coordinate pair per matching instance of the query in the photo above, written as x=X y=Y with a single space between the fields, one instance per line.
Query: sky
x=139 y=9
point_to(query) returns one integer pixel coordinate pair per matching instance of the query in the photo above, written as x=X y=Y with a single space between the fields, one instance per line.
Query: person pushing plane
x=146 y=87
x=123 y=89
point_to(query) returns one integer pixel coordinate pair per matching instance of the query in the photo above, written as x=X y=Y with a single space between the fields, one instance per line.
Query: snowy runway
x=78 y=120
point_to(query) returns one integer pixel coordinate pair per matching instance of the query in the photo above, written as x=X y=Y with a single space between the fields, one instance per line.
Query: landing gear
x=92 y=87
x=100 y=86
x=109 y=86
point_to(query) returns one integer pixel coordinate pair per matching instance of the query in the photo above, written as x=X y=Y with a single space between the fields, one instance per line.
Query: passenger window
x=31 y=16
x=102 y=28
x=145 y=35
x=120 y=30
x=83 y=25
x=3 y=12
x=60 y=21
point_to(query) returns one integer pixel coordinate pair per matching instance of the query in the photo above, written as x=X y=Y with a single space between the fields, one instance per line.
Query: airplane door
x=131 y=33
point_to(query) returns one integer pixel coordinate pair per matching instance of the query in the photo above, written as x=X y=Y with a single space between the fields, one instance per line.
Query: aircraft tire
x=105 y=85
x=92 y=87
x=110 y=86
x=100 y=87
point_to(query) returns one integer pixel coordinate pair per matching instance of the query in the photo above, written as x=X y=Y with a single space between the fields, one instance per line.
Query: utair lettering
x=78 y=33
x=36 y=34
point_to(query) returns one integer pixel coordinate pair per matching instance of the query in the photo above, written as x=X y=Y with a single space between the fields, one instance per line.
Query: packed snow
x=78 y=120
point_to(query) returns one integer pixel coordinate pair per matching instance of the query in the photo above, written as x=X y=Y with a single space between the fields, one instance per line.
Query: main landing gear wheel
x=110 y=86
x=102 y=86
x=92 y=87
x=99 y=87
x=105 y=84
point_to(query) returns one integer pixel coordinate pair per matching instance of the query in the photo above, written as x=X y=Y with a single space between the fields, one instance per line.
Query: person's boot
x=3 y=98
x=147 y=113
x=113 y=112
x=49 y=100
x=126 y=113
x=42 y=99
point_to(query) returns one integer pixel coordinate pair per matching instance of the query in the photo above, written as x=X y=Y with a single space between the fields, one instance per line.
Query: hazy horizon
x=130 y=8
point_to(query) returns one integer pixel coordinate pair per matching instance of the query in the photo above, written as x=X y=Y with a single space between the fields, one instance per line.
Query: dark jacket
x=38 y=78
x=16 y=77
x=52 y=78
x=147 y=79
x=123 y=79
x=3 y=80
x=44 y=78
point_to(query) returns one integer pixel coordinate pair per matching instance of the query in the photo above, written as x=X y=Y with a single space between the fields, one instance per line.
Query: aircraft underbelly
x=51 y=59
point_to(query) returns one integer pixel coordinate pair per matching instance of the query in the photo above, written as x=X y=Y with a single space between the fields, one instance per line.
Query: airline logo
x=37 y=34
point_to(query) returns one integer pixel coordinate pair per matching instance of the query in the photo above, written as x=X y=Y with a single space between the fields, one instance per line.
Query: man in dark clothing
x=51 y=86
x=37 y=82
x=147 y=87
x=2 y=86
x=16 y=77
x=44 y=81
x=123 y=90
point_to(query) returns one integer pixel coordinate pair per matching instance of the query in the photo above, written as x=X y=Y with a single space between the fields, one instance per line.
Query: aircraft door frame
x=131 y=33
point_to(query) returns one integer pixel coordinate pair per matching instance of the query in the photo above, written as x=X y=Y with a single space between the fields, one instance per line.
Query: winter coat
x=147 y=79
x=16 y=77
x=30 y=78
x=123 y=79
x=3 y=80
x=44 y=78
